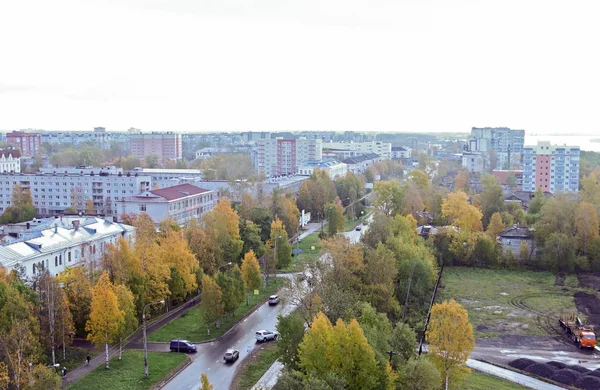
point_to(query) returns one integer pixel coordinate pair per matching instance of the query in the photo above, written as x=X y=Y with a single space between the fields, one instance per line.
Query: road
x=209 y=358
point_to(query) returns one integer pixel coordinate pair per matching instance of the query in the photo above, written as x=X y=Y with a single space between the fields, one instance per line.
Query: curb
x=176 y=371
x=526 y=373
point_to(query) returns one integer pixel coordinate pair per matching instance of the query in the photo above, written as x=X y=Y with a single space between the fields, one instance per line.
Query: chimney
x=55 y=229
x=76 y=224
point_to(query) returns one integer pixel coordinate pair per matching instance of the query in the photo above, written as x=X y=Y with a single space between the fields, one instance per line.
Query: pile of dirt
x=566 y=377
x=580 y=369
x=521 y=364
x=589 y=303
x=595 y=373
x=588 y=382
x=541 y=369
x=558 y=365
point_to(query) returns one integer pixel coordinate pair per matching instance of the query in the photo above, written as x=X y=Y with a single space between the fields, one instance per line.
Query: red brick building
x=28 y=143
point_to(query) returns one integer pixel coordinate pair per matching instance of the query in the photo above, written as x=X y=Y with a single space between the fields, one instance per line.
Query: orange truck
x=583 y=335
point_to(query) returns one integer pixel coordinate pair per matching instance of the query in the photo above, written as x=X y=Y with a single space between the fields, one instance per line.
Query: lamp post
x=145 y=342
x=224 y=265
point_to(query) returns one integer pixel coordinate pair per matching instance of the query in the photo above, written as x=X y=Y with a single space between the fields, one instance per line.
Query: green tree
x=334 y=214
x=279 y=238
x=151 y=161
x=126 y=303
x=491 y=199
x=250 y=235
x=420 y=374
x=177 y=291
x=291 y=330
x=211 y=303
x=21 y=208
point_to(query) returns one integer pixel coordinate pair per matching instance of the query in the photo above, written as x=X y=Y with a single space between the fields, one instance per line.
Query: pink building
x=167 y=146
x=28 y=143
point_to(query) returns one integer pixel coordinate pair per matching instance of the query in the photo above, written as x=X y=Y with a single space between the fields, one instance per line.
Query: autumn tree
x=389 y=197
x=126 y=304
x=221 y=226
x=491 y=199
x=122 y=263
x=496 y=226
x=450 y=338
x=350 y=189
x=21 y=207
x=211 y=301
x=420 y=178
x=586 y=225
x=77 y=287
x=460 y=213
x=204 y=383
x=106 y=318
x=173 y=251
x=461 y=181
x=334 y=213
x=279 y=240
x=283 y=206
x=251 y=272
x=524 y=252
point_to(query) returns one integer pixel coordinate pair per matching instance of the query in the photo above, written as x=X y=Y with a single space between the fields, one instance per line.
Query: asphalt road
x=209 y=358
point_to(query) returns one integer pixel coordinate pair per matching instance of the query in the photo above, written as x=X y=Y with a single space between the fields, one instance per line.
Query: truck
x=583 y=335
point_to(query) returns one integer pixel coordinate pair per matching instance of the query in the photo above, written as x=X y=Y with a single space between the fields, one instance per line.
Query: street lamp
x=145 y=342
x=224 y=265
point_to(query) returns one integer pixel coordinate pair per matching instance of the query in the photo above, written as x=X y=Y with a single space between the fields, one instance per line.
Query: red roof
x=179 y=191
x=15 y=153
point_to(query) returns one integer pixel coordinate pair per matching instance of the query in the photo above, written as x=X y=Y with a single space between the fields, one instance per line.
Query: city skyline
x=381 y=66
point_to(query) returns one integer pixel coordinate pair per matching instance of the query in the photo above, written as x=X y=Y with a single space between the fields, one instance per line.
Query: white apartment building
x=506 y=143
x=165 y=177
x=352 y=149
x=334 y=168
x=10 y=160
x=276 y=157
x=102 y=139
x=473 y=162
x=401 y=153
x=55 y=192
x=57 y=243
x=182 y=203
x=359 y=164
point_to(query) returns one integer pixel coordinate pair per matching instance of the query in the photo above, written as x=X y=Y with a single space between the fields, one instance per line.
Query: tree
x=334 y=213
x=126 y=304
x=461 y=214
x=221 y=226
x=121 y=262
x=586 y=225
x=251 y=272
x=461 y=181
x=44 y=378
x=151 y=160
x=106 y=319
x=173 y=250
x=21 y=208
x=389 y=197
x=524 y=252
x=420 y=178
x=450 y=338
x=250 y=235
x=4 y=377
x=78 y=288
x=52 y=306
x=291 y=330
x=496 y=226
x=559 y=252
x=420 y=374
x=491 y=199
x=279 y=238
x=205 y=384
x=211 y=301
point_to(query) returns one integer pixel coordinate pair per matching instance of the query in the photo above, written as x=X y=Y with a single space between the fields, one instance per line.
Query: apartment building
x=334 y=168
x=99 y=138
x=553 y=168
x=473 y=162
x=10 y=160
x=352 y=149
x=57 y=243
x=182 y=203
x=52 y=193
x=165 y=177
x=28 y=143
x=401 y=153
x=359 y=164
x=281 y=156
x=506 y=143
x=167 y=146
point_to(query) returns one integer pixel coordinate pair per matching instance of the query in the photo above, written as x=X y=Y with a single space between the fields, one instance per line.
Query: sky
x=236 y=65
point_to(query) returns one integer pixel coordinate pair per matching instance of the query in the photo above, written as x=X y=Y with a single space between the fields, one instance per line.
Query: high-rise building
x=28 y=143
x=506 y=143
x=167 y=146
x=276 y=157
x=553 y=168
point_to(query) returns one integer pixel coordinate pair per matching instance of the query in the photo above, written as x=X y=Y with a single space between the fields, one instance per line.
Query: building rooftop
x=361 y=158
x=14 y=153
x=174 y=192
x=517 y=231
x=166 y=170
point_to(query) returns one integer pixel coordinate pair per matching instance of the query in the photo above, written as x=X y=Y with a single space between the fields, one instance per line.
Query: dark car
x=231 y=355
x=182 y=346
x=358 y=228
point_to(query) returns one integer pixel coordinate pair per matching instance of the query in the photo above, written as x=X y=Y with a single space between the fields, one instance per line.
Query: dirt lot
x=516 y=308
x=587 y=302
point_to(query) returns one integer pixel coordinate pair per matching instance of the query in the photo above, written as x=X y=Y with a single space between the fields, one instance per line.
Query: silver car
x=266 y=335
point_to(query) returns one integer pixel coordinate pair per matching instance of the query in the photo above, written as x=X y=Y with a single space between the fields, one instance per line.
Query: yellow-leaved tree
x=451 y=340
x=129 y=324
x=106 y=319
x=251 y=272
x=461 y=213
x=496 y=226
x=173 y=250
x=205 y=384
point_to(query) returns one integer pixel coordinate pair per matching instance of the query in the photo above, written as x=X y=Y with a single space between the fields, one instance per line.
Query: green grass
x=255 y=367
x=479 y=381
x=75 y=357
x=307 y=255
x=128 y=373
x=508 y=301
x=192 y=327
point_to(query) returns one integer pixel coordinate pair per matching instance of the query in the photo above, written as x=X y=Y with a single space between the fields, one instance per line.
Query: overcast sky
x=373 y=65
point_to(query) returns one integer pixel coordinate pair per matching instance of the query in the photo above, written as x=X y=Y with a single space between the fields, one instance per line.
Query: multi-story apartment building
x=57 y=243
x=359 y=164
x=102 y=139
x=473 y=162
x=167 y=146
x=553 y=168
x=182 y=203
x=55 y=192
x=28 y=143
x=400 y=153
x=165 y=177
x=334 y=168
x=280 y=156
x=10 y=160
x=506 y=143
x=351 y=149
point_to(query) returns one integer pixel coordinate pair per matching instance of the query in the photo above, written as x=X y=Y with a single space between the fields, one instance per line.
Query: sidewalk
x=269 y=379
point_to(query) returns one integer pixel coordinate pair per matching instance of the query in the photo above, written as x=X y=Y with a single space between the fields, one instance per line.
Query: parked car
x=266 y=335
x=273 y=299
x=182 y=346
x=231 y=355
x=358 y=228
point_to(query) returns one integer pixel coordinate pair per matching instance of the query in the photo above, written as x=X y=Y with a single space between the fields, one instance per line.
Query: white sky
x=373 y=65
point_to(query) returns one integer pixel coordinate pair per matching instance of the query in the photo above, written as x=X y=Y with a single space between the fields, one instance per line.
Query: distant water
x=583 y=141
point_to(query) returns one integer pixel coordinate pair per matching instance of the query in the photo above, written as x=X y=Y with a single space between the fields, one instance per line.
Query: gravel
x=588 y=382
x=541 y=369
x=566 y=377
x=595 y=373
x=521 y=364
x=558 y=365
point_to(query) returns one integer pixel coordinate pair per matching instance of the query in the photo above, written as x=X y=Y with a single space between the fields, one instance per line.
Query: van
x=182 y=346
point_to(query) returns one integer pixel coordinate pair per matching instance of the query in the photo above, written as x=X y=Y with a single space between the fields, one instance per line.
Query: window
x=142 y=207
x=69 y=257
x=56 y=261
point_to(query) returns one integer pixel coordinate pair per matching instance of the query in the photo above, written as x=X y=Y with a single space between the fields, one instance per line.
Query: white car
x=274 y=299
x=266 y=335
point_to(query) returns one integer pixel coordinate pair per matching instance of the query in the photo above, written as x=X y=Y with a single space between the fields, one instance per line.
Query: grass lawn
x=509 y=301
x=191 y=326
x=75 y=357
x=307 y=254
x=255 y=366
x=479 y=381
x=129 y=372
